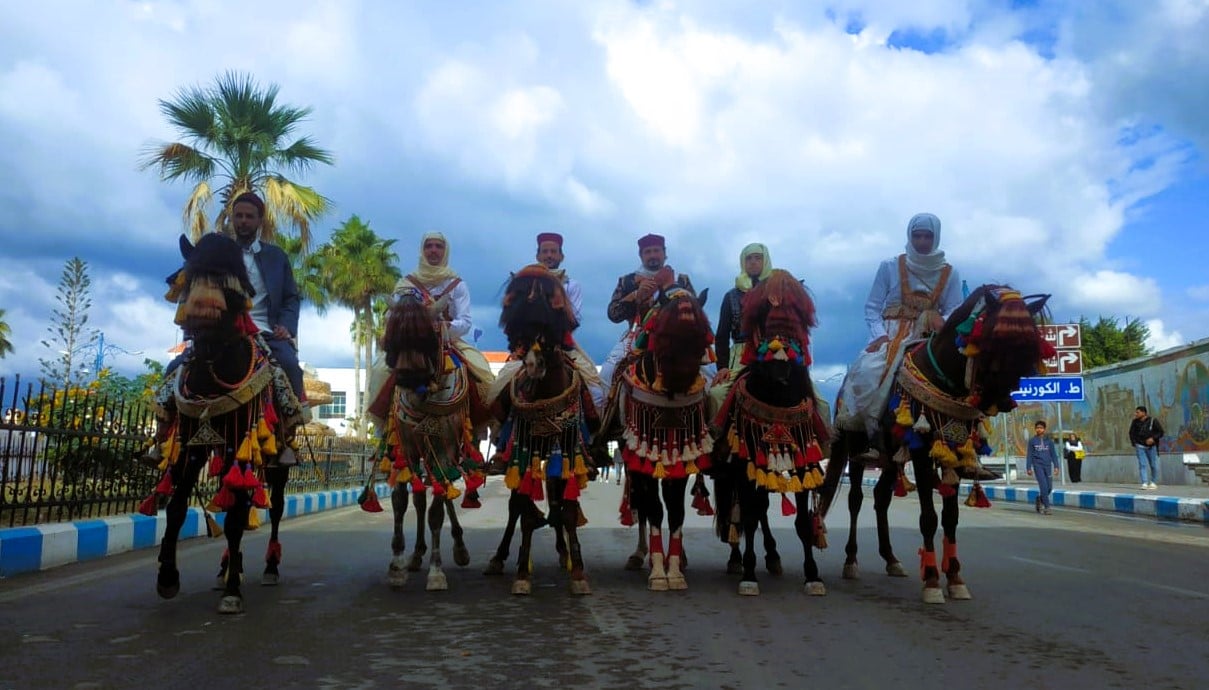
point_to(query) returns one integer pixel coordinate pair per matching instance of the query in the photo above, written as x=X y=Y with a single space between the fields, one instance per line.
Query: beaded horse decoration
x=773 y=430
x=227 y=408
x=548 y=419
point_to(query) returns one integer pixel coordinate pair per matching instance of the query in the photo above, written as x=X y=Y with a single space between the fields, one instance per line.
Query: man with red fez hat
x=634 y=295
x=550 y=255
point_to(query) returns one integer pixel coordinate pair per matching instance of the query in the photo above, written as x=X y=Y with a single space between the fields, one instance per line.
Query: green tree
x=358 y=267
x=1107 y=342
x=308 y=273
x=236 y=139
x=69 y=334
x=6 y=334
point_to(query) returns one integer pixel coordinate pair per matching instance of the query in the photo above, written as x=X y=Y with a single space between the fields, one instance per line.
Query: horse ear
x=1035 y=306
x=186 y=247
x=703 y=298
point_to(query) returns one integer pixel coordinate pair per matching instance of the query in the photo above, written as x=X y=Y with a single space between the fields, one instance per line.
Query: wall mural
x=1173 y=386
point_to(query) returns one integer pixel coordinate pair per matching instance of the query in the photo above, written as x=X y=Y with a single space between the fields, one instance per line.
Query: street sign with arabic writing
x=1063 y=336
x=1049 y=389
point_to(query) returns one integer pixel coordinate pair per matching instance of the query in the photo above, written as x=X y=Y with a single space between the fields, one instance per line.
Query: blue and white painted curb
x=30 y=549
x=1166 y=507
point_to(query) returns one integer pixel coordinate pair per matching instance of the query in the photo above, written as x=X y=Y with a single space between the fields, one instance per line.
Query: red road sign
x=1063 y=336
x=1066 y=363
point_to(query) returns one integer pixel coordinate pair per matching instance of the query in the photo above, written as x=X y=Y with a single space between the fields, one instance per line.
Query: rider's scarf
x=430 y=275
x=926 y=267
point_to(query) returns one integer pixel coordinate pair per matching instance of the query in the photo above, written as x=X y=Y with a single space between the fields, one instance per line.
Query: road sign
x=1065 y=363
x=1063 y=336
x=1049 y=389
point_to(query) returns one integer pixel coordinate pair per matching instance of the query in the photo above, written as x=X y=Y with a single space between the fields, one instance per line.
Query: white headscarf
x=433 y=275
x=930 y=263
x=744 y=281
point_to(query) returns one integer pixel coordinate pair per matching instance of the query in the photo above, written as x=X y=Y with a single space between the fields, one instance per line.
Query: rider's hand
x=721 y=376
x=646 y=288
x=1030 y=472
x=873 y=346
x=281 y=332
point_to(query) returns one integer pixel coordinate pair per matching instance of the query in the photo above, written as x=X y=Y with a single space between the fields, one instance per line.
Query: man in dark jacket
x=1145 y=433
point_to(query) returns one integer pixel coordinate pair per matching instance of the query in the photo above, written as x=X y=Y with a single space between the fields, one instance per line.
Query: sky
x=1062 y=144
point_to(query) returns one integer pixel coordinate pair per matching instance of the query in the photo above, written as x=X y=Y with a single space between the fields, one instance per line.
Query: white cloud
x=1113 y=292
x=1161 y=339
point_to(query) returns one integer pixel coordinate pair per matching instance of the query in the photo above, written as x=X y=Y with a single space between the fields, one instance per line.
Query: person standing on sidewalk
x=1074 y=457
x=1144 y=433
x=1042 y=461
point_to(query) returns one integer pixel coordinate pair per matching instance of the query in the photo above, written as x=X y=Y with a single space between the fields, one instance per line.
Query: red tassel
x=626 y=516
x=980 y=497
x=250 y=480
x=164 y=488
x=814 y=453
x=787 y=507
x=571 y=493
x=474 y=481
x=372 y=505
x=417 y=484
x=947 y=490
x=438 y=489
x=761 y=458
x=224 y=499
x=471 y=500
x=269 y=412
x=259 y=498
x=149 y=506
x=234 y=478
x=215 y=465
x=900 y=486
x=245 y=325
x=536 y=490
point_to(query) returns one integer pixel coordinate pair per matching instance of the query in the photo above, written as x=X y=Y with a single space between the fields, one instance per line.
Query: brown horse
x=773 y=430
x=226 y=407
x=430 y=406
x=665 y=435
x=944 y=389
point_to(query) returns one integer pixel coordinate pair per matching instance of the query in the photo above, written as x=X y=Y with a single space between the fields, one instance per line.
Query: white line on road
x=1174 y=590
x=1047 y=564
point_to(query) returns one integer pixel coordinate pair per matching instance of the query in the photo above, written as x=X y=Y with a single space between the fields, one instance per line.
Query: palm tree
x=308 y=272
x=358 y=267
x=235 y=140
x=6 y=333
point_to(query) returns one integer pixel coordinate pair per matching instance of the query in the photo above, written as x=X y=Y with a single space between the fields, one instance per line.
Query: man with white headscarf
x=755 y=265
x=912 y=295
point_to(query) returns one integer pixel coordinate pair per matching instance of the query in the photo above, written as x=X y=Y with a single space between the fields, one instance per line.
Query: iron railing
x=72 y=454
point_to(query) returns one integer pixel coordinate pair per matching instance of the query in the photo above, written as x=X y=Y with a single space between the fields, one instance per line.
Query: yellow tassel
x=404 y=475
x=795 y=485
x=512 y=479
x=751 y=472
x=971 y=350
x=659 y=473
x=262 y=429
x=244 y=454
x=782 y=483
x=949 y=477
x=690 y=468
x=385 y=465
x=581 y=468
x=393 y=439
x=452 y=492
x=269 y=447
x=966 y=453
x=448 y=363
x=163 y=465
x=938 y=450
x=581 y=481
x=253 y=518
x=733 y=440
x=903 y=416
x=392 y=479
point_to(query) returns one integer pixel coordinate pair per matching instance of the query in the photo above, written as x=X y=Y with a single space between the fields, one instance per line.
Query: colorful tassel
x=149 y=506
x=213 y=529
x=512 y=478
x=787 y=507
x=253 y=519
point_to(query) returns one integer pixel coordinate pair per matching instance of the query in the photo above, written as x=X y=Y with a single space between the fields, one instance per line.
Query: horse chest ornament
x=546 y=438
x=774 y=441
x=665 y=437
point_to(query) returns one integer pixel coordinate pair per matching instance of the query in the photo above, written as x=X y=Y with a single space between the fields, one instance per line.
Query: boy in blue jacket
x=1042 y=460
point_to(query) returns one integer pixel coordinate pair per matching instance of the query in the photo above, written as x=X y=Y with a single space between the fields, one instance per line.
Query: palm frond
x=292 y=204
x=177 y=160
x=196 y=223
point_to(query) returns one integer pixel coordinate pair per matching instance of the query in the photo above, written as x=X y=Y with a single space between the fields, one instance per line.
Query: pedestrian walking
x=1074 y=453
x=1042 y=462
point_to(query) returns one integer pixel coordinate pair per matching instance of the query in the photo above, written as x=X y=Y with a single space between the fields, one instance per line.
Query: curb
x=30 y=549
x=1165 y=507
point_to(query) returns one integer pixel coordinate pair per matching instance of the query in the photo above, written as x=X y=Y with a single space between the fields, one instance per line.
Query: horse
x=944 y=389
x=226 y=407
x=665 y=436
x=547 y=419
x=430 y=406
x=772 y=427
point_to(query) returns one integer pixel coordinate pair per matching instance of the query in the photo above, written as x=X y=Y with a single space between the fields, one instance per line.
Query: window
x=334 y=409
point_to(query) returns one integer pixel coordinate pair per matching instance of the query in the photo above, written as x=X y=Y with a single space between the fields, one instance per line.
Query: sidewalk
x=1172 y=502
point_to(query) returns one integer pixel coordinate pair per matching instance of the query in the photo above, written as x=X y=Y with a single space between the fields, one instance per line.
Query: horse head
x=996 y=336
x=411 y=341
x=778 y=315
x=212 y=289
x=679 y=337
x=537 y=319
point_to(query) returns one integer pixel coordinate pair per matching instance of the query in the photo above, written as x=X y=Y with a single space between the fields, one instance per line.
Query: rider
x=550 y=255
x=912 y=295
x=633 y=297
x=755 y=265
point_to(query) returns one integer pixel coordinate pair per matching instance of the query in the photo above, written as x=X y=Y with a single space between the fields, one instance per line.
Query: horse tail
x=835 y=471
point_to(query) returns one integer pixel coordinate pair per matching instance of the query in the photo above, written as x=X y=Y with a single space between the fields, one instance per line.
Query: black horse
x=944 y=389
x=228 y=408
x=772 y=428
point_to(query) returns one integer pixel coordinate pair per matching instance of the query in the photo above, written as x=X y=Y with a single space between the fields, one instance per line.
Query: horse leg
x=168 y=580
x=646 y=493
x=496 y=565
x=633 y=485
x=673 y=499
x=925 y=479
x=949 y=564
x=749 y=511
x=461 y=555
x=856 y=497
x=420 y=500
x=437 y=582
x=233 y=528
x=570 y=520
x=804 y=525
x=396 y=572
x=772 y=559
x=557 y=518
x=523 y=584
x=883 y=492
x=276 y=478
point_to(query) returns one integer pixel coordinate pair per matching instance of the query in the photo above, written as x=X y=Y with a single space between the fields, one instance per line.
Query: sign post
x=1062 y=379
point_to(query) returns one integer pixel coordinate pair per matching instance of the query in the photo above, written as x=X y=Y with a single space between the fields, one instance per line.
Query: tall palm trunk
x=367 y=335
x=357 y=392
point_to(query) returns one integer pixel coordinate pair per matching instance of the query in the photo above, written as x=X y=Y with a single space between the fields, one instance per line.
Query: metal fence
x=72 y=454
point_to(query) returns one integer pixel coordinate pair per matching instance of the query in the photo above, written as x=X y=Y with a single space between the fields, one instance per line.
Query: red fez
x=650 y=241
x=550 y=237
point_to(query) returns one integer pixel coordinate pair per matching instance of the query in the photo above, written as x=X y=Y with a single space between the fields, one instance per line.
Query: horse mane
x=410 y=339
x=779 y=306
x=996 y=325
x=679 y=338
x=213 y=287
x=535 y=308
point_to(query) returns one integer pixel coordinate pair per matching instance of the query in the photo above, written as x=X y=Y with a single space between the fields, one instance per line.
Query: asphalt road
x=1077 y=599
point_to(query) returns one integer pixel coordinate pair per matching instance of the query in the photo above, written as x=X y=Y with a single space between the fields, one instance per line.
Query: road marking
x=1174 y=590
x=1046 y=564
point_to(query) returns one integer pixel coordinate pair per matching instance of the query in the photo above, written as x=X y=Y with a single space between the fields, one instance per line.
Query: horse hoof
x=634 y=562
x=580 y=587
x=168 y=584
x=896 y=569
x=959 y=592
x=749 y=589
x=396 y=574
x=416 y=562
x=522 y=587
x=230 y=604
x=461 y=555
x=677 y=584
x=852 y=571
x=494 y=567
x=657 y=584
x=816 y=589
x=270 y=580
x=933 y=595
x=734 y=567
x=437 y=581
x=773 y=564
